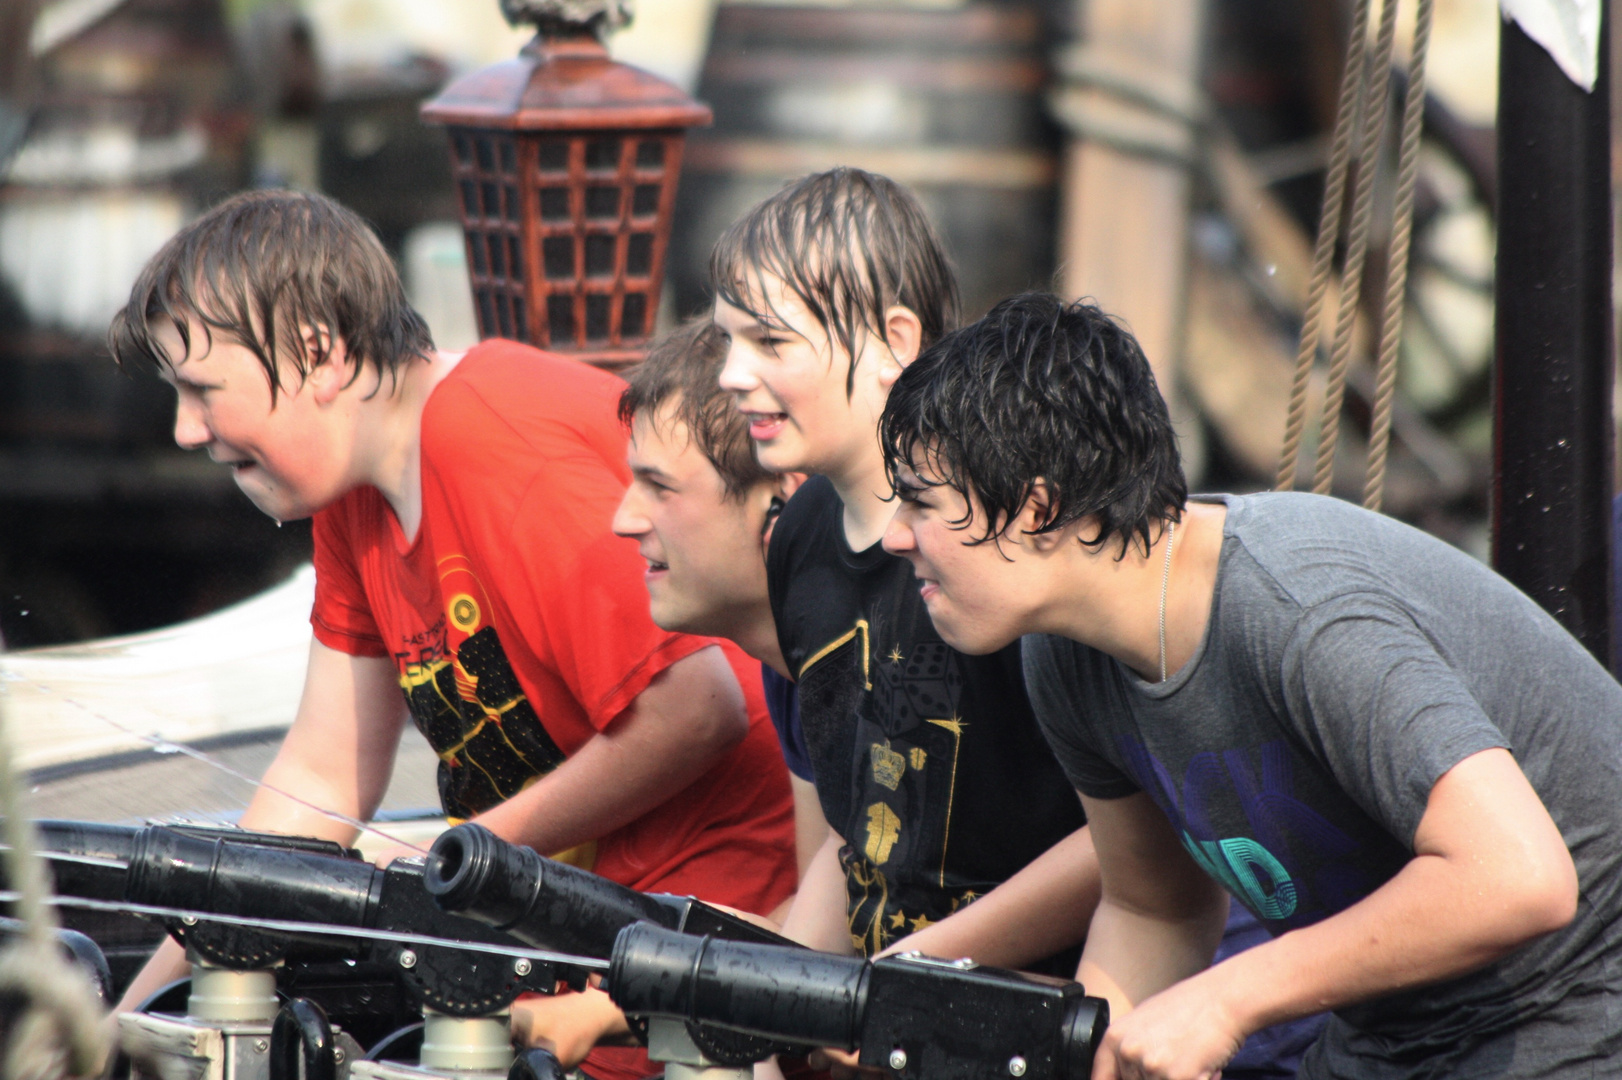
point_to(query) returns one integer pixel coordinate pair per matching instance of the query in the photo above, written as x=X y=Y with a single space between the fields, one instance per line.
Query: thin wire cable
x=292 y=926
x=162 y=745
x=1357 y=235
x=1396 y=280
x=1323 y=260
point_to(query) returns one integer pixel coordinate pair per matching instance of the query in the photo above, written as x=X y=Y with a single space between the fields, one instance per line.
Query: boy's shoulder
x=515 y=401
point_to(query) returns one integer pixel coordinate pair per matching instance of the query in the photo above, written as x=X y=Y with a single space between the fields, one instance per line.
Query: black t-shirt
x=928 y=762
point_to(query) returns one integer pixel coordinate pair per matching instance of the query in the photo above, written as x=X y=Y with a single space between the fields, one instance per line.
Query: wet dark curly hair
x=1041 y=389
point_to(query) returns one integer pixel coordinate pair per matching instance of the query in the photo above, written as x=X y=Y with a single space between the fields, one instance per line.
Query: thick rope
x=1323 y=261
x=1351 y=285
x=51 y=1026
x=1396 y=280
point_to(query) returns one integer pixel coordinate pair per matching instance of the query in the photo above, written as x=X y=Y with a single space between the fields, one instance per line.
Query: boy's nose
x=629 y=520
x=898 y=538
x=190 y=430
x=737 y=375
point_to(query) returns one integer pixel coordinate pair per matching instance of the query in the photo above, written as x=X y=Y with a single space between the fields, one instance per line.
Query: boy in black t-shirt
x=933 y=775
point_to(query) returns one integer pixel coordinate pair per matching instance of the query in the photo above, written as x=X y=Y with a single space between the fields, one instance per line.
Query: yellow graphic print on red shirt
x=468 y=703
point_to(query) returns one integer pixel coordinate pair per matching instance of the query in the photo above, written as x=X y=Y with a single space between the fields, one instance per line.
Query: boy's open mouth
x=763 y=426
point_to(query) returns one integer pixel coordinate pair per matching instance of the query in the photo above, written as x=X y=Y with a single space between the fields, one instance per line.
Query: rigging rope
x=1323 y=260
x=1360 y=118
x=1371 y=128
x=1396 y=288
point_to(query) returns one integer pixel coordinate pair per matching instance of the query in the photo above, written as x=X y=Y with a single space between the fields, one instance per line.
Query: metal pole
x=1552 y=435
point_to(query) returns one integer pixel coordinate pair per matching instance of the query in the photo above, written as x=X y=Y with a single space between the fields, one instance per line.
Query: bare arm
x=1044 y=908
x=338 y=754
x=1159 y=918
x=817 y=916
x=1490 y=872
x=674 y=731
x=810 y=830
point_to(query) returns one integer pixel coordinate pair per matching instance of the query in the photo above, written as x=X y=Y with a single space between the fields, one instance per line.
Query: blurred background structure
x=1164 y=158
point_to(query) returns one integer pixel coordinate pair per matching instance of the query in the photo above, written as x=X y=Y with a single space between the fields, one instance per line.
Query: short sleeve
x=342 y=616
x=1062 y=700
x=1368 y=690
x=783 y=703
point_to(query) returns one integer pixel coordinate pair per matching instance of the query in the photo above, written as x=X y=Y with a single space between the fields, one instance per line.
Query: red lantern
x=566 y=164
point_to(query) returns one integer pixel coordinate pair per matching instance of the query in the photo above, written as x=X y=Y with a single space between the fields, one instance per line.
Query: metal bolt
x=522 y=967
x=1016 y=1066
x=188 y=920
x=261 y=1045
x=408 y=959
x=338 y=1055
x=898 y=1059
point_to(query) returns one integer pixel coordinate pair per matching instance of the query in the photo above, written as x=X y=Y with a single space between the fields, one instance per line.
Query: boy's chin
x=971 y=641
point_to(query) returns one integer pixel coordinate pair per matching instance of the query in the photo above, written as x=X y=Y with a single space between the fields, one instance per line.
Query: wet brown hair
x=850 y=245
x=261 y=265
x=684 y=369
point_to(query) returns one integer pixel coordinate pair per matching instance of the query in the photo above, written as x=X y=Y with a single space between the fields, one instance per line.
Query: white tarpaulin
x=1568 y=29
x=237 y=670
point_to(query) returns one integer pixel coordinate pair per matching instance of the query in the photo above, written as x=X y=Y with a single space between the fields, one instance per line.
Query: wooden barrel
x=948 y=101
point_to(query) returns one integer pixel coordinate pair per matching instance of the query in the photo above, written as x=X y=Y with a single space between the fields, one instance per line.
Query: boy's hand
x=1185 y=1032
x=842 y=1064
x=568 y=1024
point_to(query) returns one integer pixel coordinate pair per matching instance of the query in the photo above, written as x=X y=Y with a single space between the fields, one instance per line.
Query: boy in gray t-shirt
x=1406 y=769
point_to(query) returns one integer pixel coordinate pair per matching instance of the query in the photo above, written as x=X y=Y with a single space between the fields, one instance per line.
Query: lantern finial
x=600 y=17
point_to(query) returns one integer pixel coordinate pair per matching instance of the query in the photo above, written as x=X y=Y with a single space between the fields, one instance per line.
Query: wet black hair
x=259 y=266
x=1040 y=389
x=849 y=245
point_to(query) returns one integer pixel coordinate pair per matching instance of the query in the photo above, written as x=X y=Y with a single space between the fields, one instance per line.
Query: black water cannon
x=88 y=858
x=216 y=875
x=911 y=1015
x=474 y=873
x=552 y=905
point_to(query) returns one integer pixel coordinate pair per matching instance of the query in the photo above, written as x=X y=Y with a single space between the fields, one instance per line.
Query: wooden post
x=1123 y=230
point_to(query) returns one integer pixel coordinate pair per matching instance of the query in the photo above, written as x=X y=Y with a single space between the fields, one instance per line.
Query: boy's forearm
x=817 y=918
x=1042 y=910
x=1131 y=956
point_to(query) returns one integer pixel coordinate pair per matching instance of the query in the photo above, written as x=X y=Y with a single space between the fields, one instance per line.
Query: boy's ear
x=330 y=366
x=905 y=333
x=788 y=483
x=1035 y=513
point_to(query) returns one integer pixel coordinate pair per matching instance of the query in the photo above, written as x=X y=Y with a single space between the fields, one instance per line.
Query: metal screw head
x=188 y=920
x=408 y=959
x=338 y=1055
x=898 y=1059
x=1016 y=1066
x=261 y=1045
x=522 y=967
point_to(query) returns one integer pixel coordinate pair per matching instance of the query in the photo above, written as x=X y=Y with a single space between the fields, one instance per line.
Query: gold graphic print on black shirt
x=473 y=711
x=899 y=826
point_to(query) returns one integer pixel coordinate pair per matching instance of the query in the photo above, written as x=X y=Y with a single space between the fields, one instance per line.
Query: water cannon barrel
x=773 y=991
x=948 y=1020
x=473 y=873
x=175 y=869
x=86 y=840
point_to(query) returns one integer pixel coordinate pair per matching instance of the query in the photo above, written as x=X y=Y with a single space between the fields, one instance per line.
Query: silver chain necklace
x=1165 y=579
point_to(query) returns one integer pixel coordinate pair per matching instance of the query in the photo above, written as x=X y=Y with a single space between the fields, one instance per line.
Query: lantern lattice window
x=567 y=195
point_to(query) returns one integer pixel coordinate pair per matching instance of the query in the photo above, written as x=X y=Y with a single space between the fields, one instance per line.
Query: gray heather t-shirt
x=1348 y=663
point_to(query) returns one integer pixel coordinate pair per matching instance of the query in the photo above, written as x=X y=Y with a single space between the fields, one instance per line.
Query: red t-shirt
x=519 y=625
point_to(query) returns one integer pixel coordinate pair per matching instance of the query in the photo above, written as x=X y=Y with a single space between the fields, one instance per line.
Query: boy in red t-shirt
x=463 y=556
